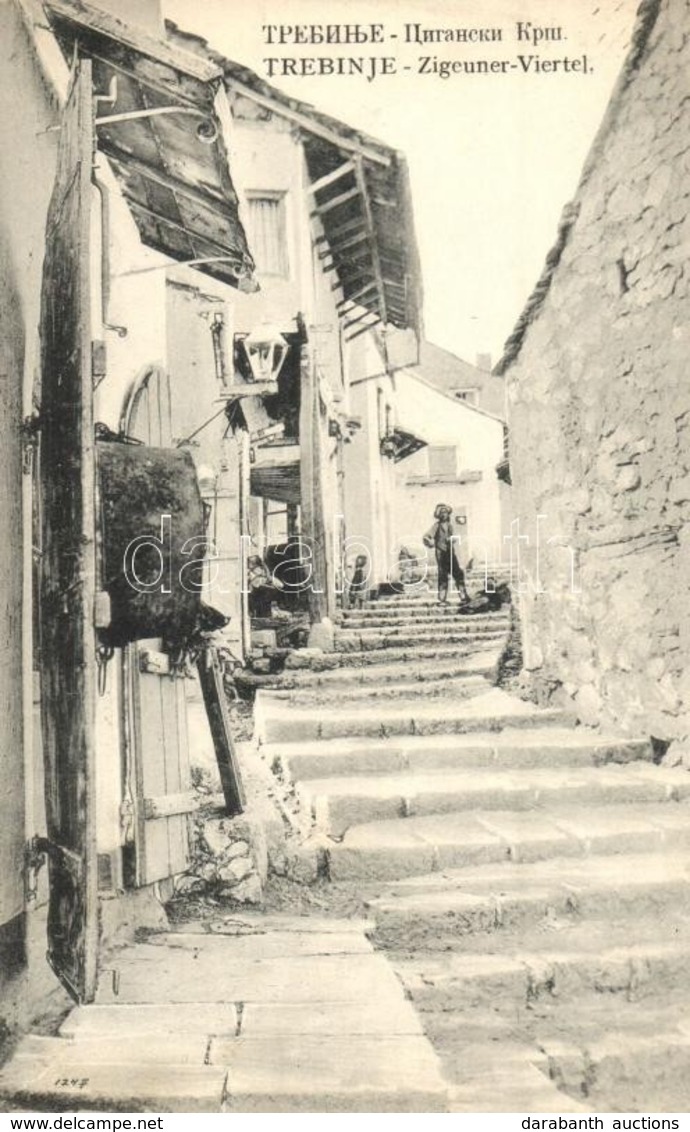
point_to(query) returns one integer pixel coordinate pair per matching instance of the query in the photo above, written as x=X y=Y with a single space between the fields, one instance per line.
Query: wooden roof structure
x=361 y=199
x=157 y=124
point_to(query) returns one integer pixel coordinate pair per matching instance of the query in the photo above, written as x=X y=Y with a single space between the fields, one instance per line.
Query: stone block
x=264 y=639
x=304 y=658
x=235 y=871
x=321 y=635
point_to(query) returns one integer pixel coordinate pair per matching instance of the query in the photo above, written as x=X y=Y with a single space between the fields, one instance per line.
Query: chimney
x=484 y=362
x=142 y=15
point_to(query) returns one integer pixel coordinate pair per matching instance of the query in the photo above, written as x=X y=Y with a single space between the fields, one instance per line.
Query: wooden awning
x=360 y=201
x=275 y=472
x=279 y=483
x=401 y=443
x=157 y=124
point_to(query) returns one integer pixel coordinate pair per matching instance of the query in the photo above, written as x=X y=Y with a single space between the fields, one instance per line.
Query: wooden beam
x=168 y=805
x=335 y=202
x=353 y=321
x=337 y=249
x=375 y=256
x=311 y=501
x=355 y=224
x=356 y=295
x=356 y=277
x=307 y=123
x=329 y=178
x=363 y=330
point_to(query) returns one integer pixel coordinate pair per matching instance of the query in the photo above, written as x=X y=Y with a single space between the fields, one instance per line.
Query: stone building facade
x=599 y=411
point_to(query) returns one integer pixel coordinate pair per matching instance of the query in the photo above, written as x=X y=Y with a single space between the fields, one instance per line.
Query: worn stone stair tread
x=569 y=872
x=394 y=848
x=414 y=653
x=663 y=782
x=530 y=978
x=510 y=748
x=524 y=1089
x=595 y=1017
x=456 y=684
x=340 y=801
x=368 y=621
x=665 y=934
x=391 y=638
x=479 y=664
x=488 y=710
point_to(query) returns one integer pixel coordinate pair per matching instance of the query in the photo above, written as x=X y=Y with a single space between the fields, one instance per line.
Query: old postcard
x=344 y=413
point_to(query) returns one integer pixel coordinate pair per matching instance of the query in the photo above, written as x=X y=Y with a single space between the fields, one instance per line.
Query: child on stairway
x=442 y=538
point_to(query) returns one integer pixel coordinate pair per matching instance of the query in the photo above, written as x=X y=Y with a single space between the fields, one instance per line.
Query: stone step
x=441 y=908
x=368 y=639
x=455 y=686
x=438 y=615
x=539 y=973
x=508 y=749
x=426 y=593
x=490 y=711
x=388 y=850
x=628 y=1072
x=344 y=676
x=339 y=802
x=414 y=654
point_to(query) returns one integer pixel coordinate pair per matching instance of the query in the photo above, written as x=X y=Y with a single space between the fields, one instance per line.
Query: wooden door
x=67 y=589
x=157 y=770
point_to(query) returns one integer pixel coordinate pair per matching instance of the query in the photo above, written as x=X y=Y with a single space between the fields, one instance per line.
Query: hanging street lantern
x=266 y=350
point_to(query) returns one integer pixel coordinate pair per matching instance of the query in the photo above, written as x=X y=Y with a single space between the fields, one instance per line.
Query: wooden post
x=313 y=528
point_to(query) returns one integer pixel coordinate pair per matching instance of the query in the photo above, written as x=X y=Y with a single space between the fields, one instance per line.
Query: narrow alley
x=345 y=744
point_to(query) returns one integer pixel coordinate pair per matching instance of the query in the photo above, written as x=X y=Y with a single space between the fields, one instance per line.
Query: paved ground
x=258 y=1014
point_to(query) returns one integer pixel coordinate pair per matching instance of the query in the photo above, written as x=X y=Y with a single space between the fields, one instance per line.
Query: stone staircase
x=527 y=877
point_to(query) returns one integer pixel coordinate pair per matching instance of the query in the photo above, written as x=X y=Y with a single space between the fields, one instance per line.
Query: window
x=443 y=461
x=268 y=233
x=471 y=395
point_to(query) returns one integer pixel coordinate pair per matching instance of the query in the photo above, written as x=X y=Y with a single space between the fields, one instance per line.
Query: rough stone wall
x=599 y=410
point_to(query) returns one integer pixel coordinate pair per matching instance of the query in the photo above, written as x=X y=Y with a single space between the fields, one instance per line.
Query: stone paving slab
x=369 y=1074
x=267 y=945
x=146 y=973
x=378 y=1016
x=240 y=923
x=131 y=1048
x=312 y=1028
x=60 y=1085
x=121 y=1021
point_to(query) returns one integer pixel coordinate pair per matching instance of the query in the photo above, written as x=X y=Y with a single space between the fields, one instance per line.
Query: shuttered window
x=268 y=233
